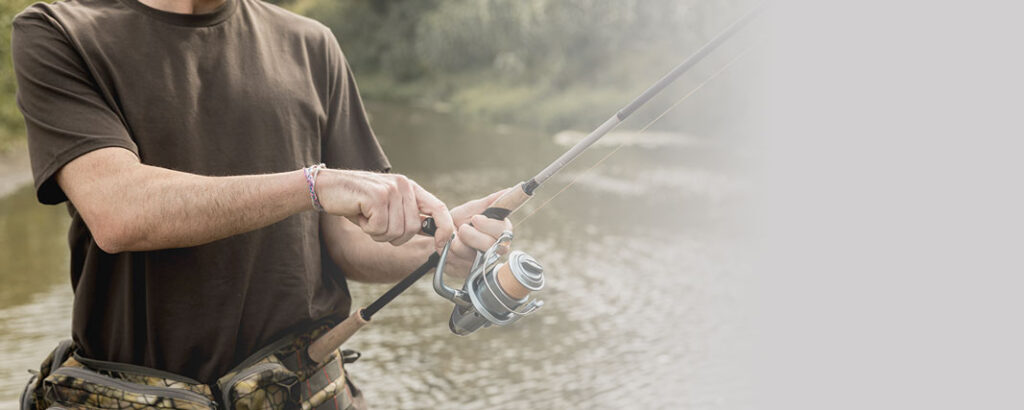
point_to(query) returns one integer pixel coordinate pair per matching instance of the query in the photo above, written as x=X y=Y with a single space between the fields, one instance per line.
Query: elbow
x=113 y=236
x=108 y=245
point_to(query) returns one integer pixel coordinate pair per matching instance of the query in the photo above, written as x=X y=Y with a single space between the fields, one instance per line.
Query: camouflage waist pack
x=67 y=380
x=280 y=376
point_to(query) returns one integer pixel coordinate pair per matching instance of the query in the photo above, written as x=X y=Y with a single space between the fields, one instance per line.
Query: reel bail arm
x=494 y=293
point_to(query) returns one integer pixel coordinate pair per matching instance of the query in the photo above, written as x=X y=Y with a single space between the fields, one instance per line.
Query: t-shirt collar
x=216 y=16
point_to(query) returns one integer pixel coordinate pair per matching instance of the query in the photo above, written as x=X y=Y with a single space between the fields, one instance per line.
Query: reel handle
x=500 y=209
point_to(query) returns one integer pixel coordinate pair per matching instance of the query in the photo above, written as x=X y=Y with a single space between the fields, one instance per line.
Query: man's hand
x=476 y=232
x=365 y=260
x=385 y=206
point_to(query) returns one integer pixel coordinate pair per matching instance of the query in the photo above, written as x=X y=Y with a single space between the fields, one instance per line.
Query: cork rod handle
x=322 y=347
x=504 y=206
x=508 y=203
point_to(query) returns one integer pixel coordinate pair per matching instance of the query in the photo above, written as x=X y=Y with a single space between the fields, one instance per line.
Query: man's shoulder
x=83 y=10
x=105 y=13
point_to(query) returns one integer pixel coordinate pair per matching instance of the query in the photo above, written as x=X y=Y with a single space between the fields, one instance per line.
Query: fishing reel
x=494 y=293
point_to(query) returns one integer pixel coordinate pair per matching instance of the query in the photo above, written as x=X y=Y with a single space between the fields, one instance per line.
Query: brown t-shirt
x=249 y=88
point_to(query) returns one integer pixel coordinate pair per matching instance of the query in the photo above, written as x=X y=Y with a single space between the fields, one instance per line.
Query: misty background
x=643 y=268
x=544 y=64
x=887 y=209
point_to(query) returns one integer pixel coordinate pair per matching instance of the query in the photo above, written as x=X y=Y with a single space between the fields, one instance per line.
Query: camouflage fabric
x=74 y=385
x=33 y=397
x=284 y=379
x=287 y=378
x=162 y=382
x=327 y=395
x=326 y=386
x=322 y=386
x=267 y=384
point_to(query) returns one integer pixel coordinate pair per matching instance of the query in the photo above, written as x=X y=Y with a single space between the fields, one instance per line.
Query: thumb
x=489 y=199
x=477 y=206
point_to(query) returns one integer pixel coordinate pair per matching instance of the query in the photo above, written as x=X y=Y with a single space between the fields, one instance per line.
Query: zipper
x=226 y=390
x=96 y=378
x=100 y=365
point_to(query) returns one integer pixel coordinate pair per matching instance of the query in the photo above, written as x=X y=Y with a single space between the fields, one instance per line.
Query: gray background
x=889 y=233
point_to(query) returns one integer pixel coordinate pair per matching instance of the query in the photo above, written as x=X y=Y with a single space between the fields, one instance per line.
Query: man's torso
x=242 y=90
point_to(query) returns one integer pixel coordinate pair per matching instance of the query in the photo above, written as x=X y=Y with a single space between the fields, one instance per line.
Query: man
x=180 y=132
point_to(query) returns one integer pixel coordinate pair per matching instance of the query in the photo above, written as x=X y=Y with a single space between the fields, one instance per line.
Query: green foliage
x=384 y=30
x=547 y=63
x=552 y=63
x=12 y=128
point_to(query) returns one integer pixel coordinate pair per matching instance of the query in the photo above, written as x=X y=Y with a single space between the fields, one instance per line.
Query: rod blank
x=643 y=98
x=515 y=198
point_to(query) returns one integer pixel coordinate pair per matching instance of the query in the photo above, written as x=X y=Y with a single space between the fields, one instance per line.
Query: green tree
x=12 y=127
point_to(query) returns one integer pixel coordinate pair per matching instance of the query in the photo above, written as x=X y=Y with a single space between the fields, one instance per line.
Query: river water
x=642 y=271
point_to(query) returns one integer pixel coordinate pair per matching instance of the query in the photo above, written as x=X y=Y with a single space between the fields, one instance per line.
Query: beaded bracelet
x=311 y=173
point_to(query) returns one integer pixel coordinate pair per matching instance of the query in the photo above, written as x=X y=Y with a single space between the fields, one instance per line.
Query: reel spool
x=494 y=293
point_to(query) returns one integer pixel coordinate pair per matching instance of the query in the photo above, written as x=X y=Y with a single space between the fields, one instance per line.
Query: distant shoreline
x=15 y=170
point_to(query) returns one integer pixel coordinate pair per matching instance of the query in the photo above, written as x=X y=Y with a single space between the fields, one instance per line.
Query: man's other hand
x=475 y=232
x=385 y=206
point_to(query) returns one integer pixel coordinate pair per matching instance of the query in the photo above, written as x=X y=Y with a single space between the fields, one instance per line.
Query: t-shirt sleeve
x=349 y=142
x=65 y=113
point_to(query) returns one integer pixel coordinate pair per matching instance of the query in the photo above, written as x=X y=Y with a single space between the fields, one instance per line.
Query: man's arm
x=129 y=206
x=364 y=260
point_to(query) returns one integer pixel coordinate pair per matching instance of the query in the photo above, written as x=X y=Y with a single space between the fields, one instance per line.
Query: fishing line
x=496 y=292
x=639 y=133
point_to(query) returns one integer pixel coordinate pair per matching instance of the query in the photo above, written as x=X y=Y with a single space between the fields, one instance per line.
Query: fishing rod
x=499 y=293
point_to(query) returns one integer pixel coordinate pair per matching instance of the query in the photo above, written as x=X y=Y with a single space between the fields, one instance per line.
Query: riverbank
x=15 y=170
x=480 y=98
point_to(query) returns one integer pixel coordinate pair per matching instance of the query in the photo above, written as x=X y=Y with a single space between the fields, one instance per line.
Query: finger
x=363 y=223
x=489 y=199
x=478 y=206
x=396 y=214
x=475 y=239
x=492 y=227
x=358 y=220
x=375 y=222
x=411 y=214
x=430 y=205
x=459 y=267
x=462 y=251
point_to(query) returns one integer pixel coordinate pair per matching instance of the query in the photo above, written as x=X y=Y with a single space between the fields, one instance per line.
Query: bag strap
x=102 y=365
x=60 y=354
x=263 y=353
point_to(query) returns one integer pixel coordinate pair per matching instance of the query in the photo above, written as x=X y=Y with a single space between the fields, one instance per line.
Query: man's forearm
x=367 y=261
x=179 y=210
x=364 y=260
x=136 y=207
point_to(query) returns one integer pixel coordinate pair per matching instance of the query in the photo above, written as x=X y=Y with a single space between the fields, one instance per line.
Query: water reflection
x=33 y=247
x=639 y=293
x=35 y=297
